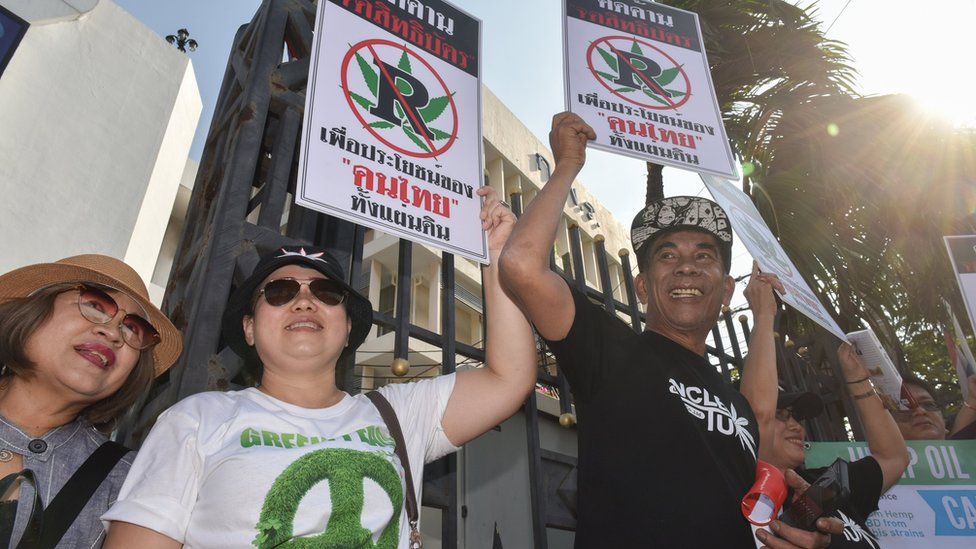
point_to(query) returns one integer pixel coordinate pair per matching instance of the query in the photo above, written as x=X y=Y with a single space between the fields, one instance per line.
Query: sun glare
x=893 y=57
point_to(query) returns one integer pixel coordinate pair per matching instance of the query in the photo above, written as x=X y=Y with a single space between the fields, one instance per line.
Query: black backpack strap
x=393 y=425
x=32 y=531
x=75 y=493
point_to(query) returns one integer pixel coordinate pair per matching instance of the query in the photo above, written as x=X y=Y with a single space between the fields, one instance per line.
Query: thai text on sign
x=636 y=71
x=392 y=130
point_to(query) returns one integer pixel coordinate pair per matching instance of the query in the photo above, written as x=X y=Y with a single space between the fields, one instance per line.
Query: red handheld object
x=762 y=503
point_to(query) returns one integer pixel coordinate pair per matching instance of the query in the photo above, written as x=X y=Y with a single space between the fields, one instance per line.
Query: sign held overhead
x=392 y=130
x=636 y=72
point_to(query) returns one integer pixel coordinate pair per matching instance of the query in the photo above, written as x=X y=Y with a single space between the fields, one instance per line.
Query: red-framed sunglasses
x=281 y=291
x=99 y=308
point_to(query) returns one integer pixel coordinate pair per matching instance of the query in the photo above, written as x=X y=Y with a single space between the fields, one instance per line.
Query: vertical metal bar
x=576 y=248
x=536 y=482
x=449 y=516
x=517 y=204
x=744 y=322
x=276 y=186
x=720 y=349
x=635 y=320
x=356 y=261
x=604 y=269
x=730 y=328
x=401 y=342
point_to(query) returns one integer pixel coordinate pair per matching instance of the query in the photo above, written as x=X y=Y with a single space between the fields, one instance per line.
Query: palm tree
x=765 y=55
x=860 y=192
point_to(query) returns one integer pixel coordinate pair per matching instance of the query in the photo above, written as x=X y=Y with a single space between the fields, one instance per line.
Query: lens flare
x=833 y=129
x=748 y=168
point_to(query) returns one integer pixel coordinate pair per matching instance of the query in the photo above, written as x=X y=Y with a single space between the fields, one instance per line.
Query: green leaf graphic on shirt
x=345 y=470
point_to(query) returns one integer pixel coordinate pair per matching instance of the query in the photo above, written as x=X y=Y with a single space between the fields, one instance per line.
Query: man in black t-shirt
x=667 y=449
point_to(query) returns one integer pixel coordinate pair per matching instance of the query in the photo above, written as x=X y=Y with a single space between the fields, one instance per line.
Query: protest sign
x=960 y=355
x=962 y=254
x=636 y=72
x=392 y=131
x=934 y=503
x=767 y=251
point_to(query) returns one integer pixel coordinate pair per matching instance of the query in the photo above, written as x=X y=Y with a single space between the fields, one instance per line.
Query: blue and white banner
x=934 y=503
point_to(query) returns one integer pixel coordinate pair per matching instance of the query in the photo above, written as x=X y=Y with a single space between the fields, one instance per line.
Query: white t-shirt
x=242 y=469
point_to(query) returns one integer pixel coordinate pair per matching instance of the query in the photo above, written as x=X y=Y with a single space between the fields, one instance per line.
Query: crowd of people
x=80 y=343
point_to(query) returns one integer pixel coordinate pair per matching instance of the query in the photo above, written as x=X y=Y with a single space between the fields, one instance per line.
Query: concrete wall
x=98 y=113
x=494 y=475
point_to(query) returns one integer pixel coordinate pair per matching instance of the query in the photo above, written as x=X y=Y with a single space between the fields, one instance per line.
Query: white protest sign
x=767 y=251
x=392 y=131
x=636 y=71
x=962 y=253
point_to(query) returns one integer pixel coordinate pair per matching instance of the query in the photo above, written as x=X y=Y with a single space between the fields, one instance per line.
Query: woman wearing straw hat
x=79 y=343
x=296 y=462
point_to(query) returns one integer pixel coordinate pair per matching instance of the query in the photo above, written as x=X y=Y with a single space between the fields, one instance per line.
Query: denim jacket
x=63 y=451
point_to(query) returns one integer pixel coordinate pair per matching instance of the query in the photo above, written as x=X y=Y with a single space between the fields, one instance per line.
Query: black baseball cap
x=805 y=404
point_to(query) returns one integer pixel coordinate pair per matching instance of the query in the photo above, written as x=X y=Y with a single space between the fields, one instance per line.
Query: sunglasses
x=281 y=291
x=906 y=415
x=99 y=308
x=784 y=415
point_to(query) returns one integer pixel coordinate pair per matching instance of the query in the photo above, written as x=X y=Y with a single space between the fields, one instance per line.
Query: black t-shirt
x=866 y=481
x=667 y=449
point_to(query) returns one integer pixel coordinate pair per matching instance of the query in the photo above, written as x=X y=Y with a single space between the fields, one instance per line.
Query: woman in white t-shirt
x=296 y=462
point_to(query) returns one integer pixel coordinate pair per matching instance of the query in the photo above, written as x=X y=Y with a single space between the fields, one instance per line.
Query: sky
x=897 y=46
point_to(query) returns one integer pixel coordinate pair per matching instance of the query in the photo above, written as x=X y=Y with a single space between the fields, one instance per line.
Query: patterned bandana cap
x=681 y=212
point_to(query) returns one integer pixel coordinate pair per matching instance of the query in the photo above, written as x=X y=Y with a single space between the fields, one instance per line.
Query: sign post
x=636 y=72
x=392 y=130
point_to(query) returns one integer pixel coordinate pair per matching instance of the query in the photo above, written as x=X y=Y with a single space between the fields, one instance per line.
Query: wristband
x=865 y=378
x=868 y=394
x=762 y=503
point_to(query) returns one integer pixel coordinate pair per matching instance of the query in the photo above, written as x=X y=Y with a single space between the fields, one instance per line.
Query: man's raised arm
x=524 y=263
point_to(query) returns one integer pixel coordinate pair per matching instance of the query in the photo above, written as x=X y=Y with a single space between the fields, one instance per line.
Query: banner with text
x=934 y=503
x=962 y=253
x=767 y=251
x=636 y=71
x=392 y=132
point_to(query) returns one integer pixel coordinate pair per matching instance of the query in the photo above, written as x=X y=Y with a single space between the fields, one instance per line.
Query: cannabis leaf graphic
x=434 y=108
x=662 y=80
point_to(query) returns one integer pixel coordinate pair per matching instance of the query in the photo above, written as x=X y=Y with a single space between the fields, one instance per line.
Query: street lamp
x=182 y=40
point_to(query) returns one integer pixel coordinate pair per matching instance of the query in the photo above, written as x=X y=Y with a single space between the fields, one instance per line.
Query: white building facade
x=97 y=115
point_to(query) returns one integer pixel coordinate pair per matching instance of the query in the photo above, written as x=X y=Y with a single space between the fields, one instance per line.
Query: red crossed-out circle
x=368 y=44
x=630 y=39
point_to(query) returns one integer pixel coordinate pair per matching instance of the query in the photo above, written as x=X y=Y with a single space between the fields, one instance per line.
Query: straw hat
x=104 y=270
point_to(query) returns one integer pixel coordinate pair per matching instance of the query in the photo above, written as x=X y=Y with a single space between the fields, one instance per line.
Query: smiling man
x=667 y=449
